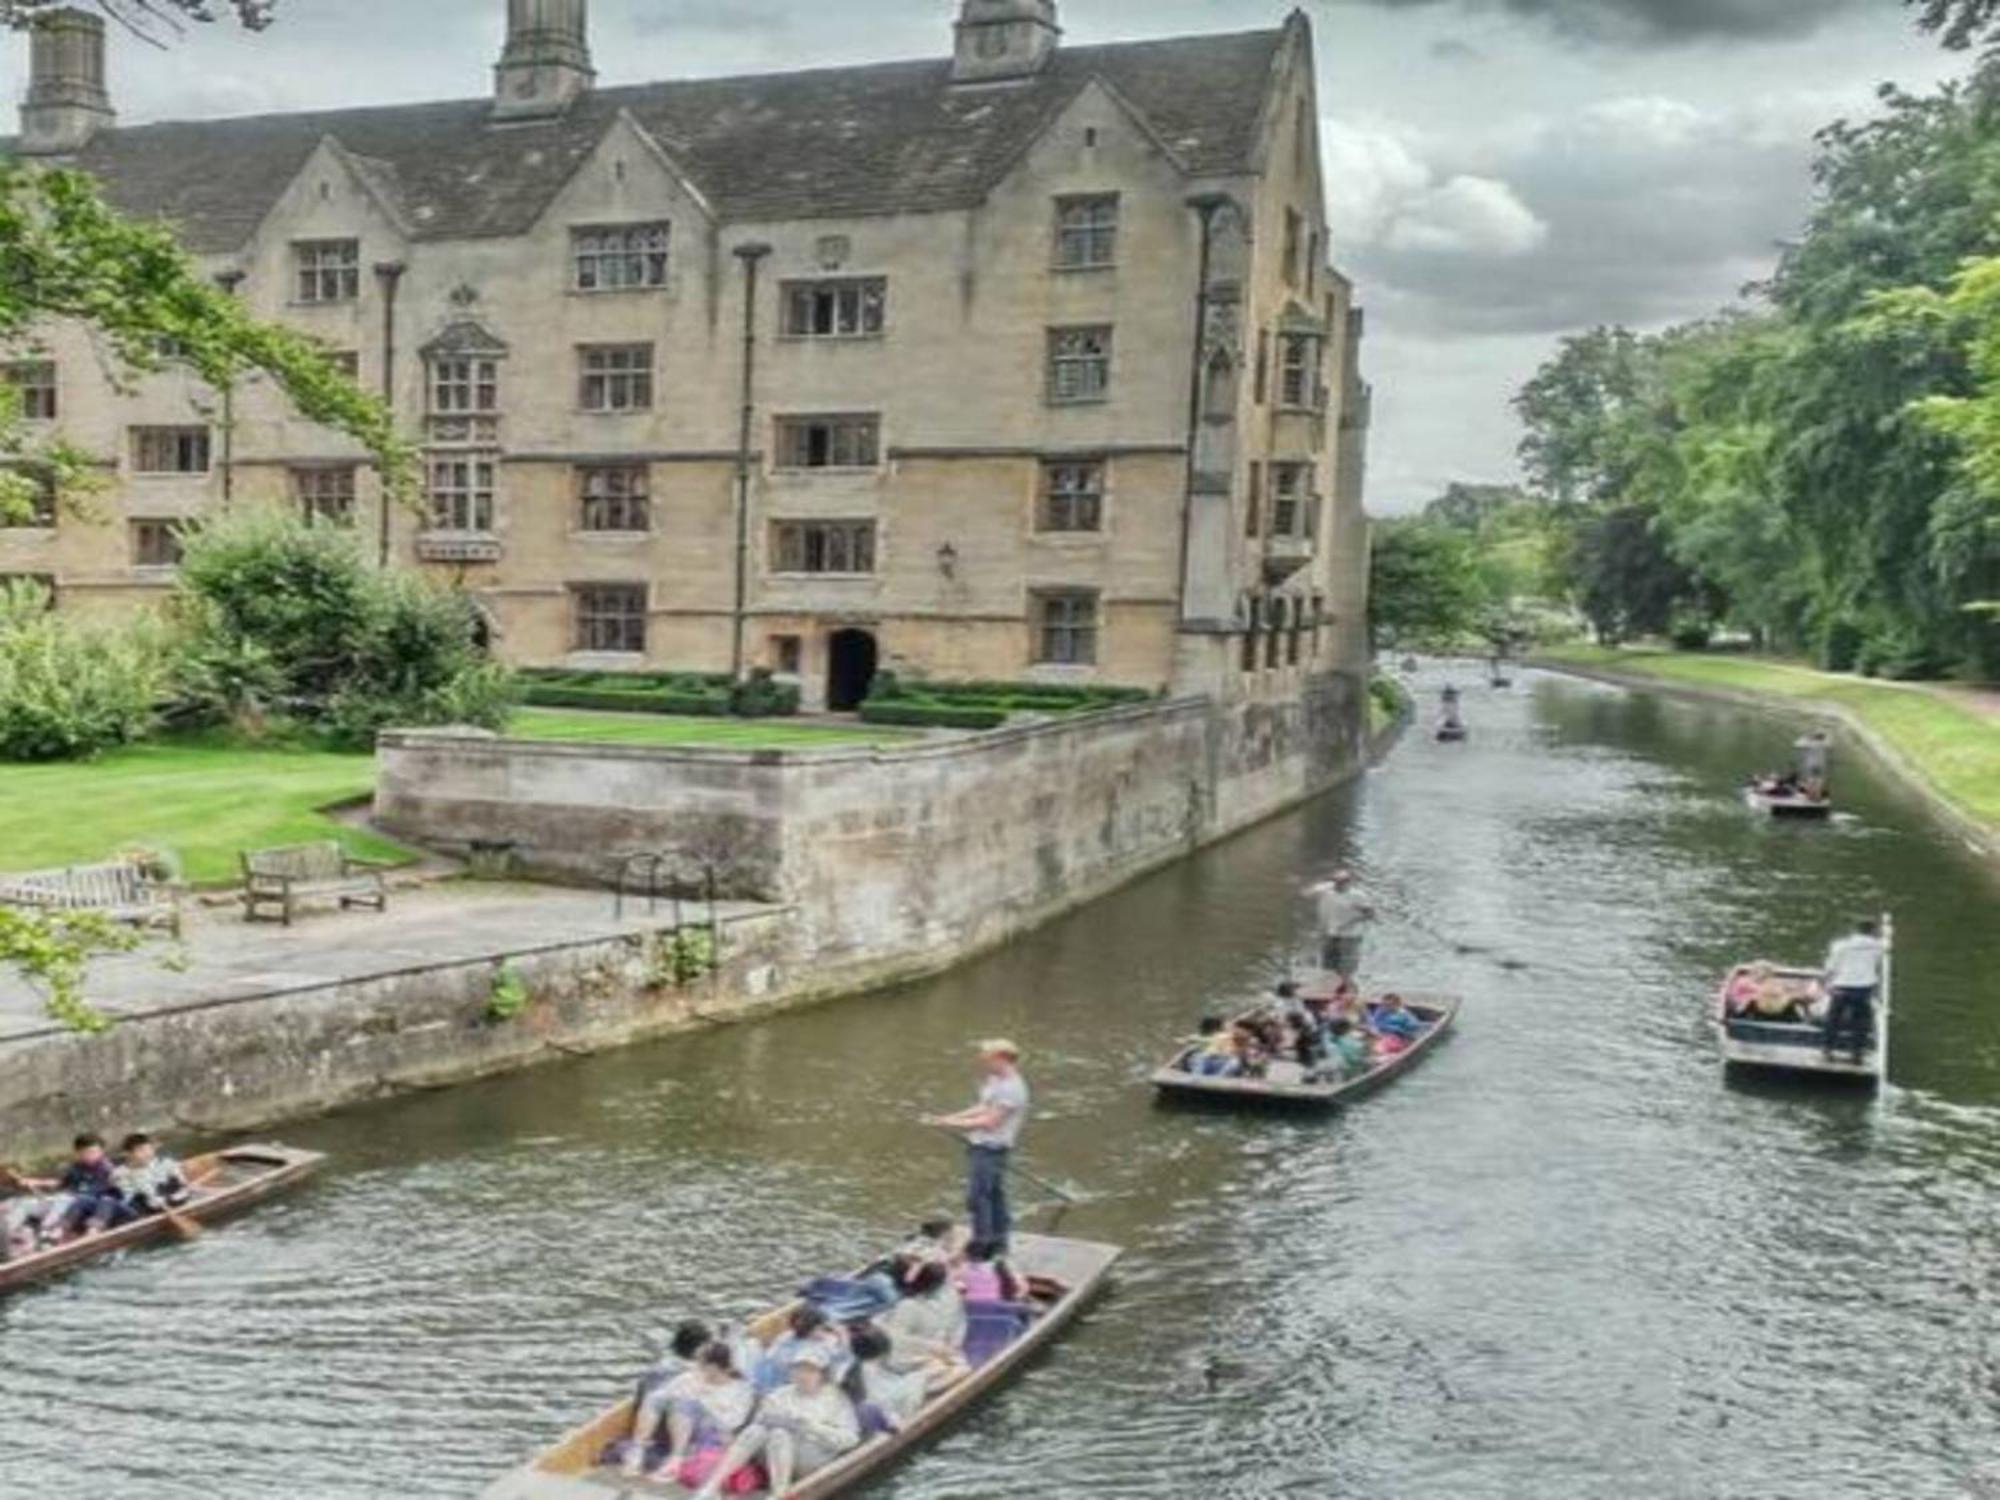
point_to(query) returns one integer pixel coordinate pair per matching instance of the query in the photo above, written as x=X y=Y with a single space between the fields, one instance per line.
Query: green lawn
x=664 y=729
x=204 y=798
x=1954 y=744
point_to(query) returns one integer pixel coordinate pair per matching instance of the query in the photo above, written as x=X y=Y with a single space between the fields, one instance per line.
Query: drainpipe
x=1206 y=207
x=752 y=255
x=230 y=282
x=389 y=275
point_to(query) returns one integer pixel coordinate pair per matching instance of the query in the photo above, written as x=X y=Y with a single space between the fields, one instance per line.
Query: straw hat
x=999 y=1047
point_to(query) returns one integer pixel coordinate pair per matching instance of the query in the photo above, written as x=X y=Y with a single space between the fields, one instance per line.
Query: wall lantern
x=947 y=556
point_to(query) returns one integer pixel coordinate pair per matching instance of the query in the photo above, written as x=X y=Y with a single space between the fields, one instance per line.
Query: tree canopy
x=146 y=16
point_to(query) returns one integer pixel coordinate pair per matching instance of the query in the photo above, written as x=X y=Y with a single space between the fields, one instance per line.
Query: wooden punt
x=1788 y=805
x=1452 y=734
x=1438 y=1012
x=1063 y=1276
x=1750 y=1044
x=230 y=1181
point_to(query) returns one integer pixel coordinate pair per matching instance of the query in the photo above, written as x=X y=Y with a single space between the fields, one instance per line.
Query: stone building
x=1027 y=362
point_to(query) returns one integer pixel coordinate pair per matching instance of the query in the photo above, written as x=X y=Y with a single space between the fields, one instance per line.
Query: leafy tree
x=1628 y=583
x=145 y=16
x=282 y=616
x=1425 y=585
x=65 y=254
x=69 y=689
x=1583 y=411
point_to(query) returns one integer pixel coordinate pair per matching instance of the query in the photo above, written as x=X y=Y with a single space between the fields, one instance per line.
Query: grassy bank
x=1954 y=744
x=205 y=798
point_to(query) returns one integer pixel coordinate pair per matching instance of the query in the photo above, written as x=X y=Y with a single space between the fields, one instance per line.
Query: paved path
x=233 y=960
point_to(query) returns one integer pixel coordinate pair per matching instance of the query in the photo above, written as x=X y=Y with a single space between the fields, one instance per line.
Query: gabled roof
x=891 y=138
x=465 y=337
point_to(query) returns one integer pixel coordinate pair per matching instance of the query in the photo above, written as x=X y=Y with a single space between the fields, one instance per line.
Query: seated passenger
x=707 y=1406
x=1772 y=999
x=146 y=1180
x=1214 y=1053
x=93 y=1201
x=927 y=1330
x=935 y=1239
x=809 y=1327
x=1347 y=1049
x=1394 y=1026
x=1743 y=989
x=984 y=1277
x=801 y=1428
x=884 y=1400
x=31 y=1222
x=651 y=1402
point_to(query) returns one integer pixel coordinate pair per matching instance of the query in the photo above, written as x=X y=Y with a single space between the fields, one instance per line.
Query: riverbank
x=1944 y=744
x=838 y=870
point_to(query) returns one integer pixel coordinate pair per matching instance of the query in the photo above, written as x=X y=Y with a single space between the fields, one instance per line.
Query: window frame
x=863 y=428
x=340 y=508
x=599 y=631
x=1070 y=642
x=161 y=529
x=654 y=261
x=636 y=381
x=1298 y=495
x=633 y=503
x=463 y=503
x=794 y=541
x=1097 y=238
x=461 y=385
x=1073 y=509
x=16 y=373
x=835 y=288
x=312 y=277
x=200 y=434
x=1092 y=391
x=1297 y=366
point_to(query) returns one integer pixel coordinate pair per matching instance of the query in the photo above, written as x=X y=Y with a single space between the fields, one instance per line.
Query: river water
x=1561 y=1259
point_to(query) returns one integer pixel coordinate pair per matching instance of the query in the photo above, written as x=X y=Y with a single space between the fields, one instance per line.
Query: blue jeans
x=1850 y=1017
x=986 y=1194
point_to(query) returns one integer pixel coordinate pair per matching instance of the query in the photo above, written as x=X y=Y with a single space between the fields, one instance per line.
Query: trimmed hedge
x=627 y=700
x=923 y=715
x=698 y=694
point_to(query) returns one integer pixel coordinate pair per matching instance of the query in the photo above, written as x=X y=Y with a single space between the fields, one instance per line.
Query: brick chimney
x=547 y=61
x=66 y=103
x=1003 y=39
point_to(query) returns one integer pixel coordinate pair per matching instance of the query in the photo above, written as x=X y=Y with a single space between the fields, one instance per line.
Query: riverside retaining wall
x=874 y=866
x=898 y=856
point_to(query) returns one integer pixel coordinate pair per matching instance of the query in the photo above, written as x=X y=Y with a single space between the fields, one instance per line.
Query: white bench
x=121 y=891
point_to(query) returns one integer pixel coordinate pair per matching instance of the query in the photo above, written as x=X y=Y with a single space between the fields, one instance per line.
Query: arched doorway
x=851 y=656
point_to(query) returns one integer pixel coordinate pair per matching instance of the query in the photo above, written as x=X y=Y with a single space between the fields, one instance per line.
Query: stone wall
x=933 y=849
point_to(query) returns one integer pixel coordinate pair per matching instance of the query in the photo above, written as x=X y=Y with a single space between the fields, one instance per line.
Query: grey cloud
x=1646 y=23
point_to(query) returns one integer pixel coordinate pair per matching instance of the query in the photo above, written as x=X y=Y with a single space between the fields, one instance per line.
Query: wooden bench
x=282 y=878
x=121 y=891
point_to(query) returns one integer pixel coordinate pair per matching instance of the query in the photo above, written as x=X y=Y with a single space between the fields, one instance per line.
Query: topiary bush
x=69 y=690
x=918 y=714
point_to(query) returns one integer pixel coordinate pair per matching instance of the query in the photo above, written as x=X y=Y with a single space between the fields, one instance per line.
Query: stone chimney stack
x=66 y=103
x=1004 y=39
x=547 y=61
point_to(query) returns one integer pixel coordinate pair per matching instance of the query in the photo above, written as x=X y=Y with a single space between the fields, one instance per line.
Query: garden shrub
x=762 y=696
x=1840 y=642
x=277 y=613
x=69 y=690
x=919 y=714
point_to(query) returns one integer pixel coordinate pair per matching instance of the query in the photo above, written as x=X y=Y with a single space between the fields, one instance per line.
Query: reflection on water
x=1559 y=1260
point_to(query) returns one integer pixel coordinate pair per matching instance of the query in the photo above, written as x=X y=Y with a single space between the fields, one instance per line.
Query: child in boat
x=809 y=1327
x=707 y=1406
x=926 y=1330
x=148 y=1181
x=801 y=1428
x=651 y=1402
x=94 y=1204
x=1220 y=1054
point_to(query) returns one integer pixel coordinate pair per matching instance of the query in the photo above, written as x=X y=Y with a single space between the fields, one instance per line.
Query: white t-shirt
x=1854 y=962
x=1341 y=914
x=1010 y=1092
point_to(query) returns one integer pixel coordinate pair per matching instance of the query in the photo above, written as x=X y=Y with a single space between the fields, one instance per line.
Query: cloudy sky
x=1502 y=171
